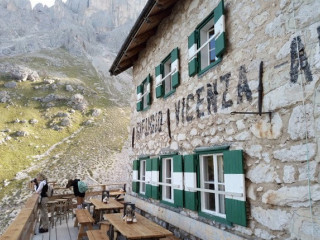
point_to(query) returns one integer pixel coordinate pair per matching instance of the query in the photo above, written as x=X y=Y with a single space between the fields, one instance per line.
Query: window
x=143 y=94
x=142 y=176
x=214 y=184
x=167 y=190
x=167 y=79
x=212 y=178
x=167 y=75
x=207 y=43
x=171 y=180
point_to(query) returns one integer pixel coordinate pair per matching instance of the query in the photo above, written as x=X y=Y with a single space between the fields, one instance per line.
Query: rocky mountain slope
x=61 y=112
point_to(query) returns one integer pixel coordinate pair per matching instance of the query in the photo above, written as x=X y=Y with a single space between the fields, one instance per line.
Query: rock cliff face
x=72 y=102
x=94 y=29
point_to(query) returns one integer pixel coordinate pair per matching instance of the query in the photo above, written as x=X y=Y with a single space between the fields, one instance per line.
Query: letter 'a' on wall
x=135 y=176
x=190 y=181
x=235 y=183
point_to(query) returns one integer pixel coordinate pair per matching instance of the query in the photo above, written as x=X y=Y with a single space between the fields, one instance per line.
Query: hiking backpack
x=82 y=186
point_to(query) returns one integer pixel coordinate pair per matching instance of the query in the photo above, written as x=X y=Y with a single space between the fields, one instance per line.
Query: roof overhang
x=145 y=27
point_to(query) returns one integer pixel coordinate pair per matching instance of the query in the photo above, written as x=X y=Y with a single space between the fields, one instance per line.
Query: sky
x=49 y=3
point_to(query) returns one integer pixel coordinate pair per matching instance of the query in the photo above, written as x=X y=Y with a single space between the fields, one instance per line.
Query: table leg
x=75 y=222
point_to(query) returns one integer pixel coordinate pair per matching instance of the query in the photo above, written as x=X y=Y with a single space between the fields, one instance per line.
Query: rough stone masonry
x=281 y=153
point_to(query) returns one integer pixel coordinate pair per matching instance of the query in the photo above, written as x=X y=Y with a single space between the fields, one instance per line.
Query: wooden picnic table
x=142 y=229
x=116 y=193
x=101 y=206
x=85 y=220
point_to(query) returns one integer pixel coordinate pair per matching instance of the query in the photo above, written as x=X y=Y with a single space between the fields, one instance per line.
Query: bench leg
x=75 y=222
x=81 y=232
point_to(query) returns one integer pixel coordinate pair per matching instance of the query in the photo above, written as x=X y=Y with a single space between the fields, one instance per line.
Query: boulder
x=33 y=121
x=96 y=112
x=22 y=133
x=48 y=81
x=78 y=102
x=69 y=88
x=11 y=84
x=33 y=76
x=65 y=122
x=4 y=97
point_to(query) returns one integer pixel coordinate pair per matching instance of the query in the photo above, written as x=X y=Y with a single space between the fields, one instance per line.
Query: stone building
x=225 y=117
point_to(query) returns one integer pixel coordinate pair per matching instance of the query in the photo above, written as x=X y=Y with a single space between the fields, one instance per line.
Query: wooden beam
x=164 y=3
x=133 y=51
x=155 y=19
x=143 y=37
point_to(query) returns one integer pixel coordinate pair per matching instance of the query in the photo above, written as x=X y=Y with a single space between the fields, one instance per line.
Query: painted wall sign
x=299 y=59
x=208 y=95
x=149 y=125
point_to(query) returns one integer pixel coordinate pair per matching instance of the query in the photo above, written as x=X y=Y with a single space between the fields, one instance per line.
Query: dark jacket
x=76 y=189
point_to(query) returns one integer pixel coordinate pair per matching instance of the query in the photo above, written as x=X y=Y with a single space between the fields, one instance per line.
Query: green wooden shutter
x=148 y=177
x=159 y=82
x=155 y=178
x=177 y=179
x=148 y=90
x=175 y=65
x=139 y=97
x=235 y=183
x=135 y=176
x=219 y=25
x=192 y=48
x=190 y=181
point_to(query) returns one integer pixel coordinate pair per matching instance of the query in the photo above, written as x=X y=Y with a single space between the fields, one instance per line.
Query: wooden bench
x=83 y=218
x=97 y=235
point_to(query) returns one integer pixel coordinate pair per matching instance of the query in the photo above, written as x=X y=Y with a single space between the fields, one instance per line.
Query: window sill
x=142 y=195
x=168 y=203
x=215 y=218
x=203 y=71
x=169 y=93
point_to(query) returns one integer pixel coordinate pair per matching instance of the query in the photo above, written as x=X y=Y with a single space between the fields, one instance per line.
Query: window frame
x=173 y=78
x=145 y=94
x=216 y=183
x=164 y=62
x=202 y=25
x=143 y=162
x=164 y=161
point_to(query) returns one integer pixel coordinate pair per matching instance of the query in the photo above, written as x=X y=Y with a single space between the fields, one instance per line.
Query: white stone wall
x=280 y=154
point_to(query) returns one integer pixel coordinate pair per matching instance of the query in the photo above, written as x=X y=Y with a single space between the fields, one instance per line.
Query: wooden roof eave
x=145 y=27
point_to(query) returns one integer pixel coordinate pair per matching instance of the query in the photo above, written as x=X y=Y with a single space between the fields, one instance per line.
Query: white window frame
x=142 y=177
x=167 y=72
x=205 y=40
x=216 y=183
x=141 y=96
x=164 y=178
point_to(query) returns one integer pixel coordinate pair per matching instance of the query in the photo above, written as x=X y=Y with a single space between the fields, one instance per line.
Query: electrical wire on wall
x=302 y=81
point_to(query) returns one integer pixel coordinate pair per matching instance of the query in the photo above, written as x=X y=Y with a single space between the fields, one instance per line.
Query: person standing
x=42 y=189
x=77 y=193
